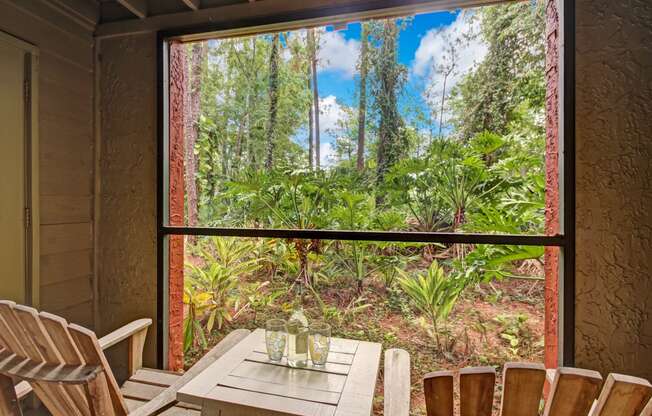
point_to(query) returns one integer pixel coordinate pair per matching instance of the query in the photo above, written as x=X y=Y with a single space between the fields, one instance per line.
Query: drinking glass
x=319 y=343
x=275 y=338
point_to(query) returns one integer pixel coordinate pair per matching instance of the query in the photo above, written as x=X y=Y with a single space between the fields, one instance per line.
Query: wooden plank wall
x=66 y=85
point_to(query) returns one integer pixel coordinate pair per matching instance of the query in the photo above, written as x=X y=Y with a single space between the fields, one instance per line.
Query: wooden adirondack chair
x=65 y=366
x=573 y=392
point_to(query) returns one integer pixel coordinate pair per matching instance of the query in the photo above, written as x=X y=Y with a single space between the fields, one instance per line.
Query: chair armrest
x=124 y=332
x=135 y=332
x=397 y=382
x=168 y=397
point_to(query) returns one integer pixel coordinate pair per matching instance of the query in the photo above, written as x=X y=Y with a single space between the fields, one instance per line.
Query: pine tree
x=273 y=100
x=192 y=103
x=311 y=142
x=312 y=48
x=389 y=76
x=362 y=105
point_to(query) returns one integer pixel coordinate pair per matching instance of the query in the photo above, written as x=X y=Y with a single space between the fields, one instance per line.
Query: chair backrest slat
x=477 y=391
x=52 y=395
x=522 y=389
x=8 y=340
x=28 y=319
x=17 y=332
x=91 y=353
x=622 y=395
x=35 y=329
x=572 y=392
x=438 y=392
x=57 y=327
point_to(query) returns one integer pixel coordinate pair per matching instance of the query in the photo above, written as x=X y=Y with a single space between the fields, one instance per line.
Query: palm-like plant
x=433 y=293
x=197 y=303
x=355 y=213
x=209 y=288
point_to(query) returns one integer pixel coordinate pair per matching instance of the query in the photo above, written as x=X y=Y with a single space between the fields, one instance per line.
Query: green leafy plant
x=196 y=303
x=354 y=213
x=433 y=293
x=339 y=315
x=514 y=331
x=258 y=298
x=210 y=285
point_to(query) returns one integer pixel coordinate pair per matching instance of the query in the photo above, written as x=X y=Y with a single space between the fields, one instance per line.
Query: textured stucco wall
x=614 y=193
x=127 y=226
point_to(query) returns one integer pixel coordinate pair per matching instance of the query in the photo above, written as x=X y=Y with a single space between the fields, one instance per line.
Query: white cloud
x=326 y=155
x=434 y=45
x=330 y=111
x=338 y=54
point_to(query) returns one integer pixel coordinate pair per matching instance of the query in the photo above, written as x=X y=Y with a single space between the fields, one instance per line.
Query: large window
x=361 y=162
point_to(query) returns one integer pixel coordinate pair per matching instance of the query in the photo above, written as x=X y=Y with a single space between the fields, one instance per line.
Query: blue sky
x=337 y=84
x=421 y=46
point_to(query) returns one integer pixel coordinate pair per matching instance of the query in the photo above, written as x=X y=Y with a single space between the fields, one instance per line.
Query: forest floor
x=491 y=324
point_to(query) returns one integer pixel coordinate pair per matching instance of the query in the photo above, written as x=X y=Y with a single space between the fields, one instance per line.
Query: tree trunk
x=388 y=131
x=443 y=96
x=362 y=106
x=192 y=129
x=441 y=111
x=312 y=47
x=311 y=144
x=252 y=93
x=239 y=139
x=273 y=101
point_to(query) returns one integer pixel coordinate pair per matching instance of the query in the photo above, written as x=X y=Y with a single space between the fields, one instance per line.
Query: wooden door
x=15 y=174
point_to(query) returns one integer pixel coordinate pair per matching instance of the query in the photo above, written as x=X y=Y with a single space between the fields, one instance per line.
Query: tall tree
x=389 y=76
x=251 y=102
x=510 y=74
x=362 y=104
x=193 y=98
x=311 y=143
x=273 y=93
x=446 y=69
x=312 y=48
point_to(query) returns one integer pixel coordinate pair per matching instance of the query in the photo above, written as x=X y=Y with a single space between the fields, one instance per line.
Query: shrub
x=433 y=293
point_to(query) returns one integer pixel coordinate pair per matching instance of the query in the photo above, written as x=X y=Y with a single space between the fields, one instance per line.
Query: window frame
x=565 y=240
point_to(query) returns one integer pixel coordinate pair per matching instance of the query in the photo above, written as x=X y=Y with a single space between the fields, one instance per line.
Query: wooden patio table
x=244 y=382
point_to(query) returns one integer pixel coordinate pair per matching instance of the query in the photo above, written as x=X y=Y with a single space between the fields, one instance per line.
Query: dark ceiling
x=112 y=10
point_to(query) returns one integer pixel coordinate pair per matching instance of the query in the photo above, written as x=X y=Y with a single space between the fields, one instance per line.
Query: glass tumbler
x=275 y=338
x=319 y=343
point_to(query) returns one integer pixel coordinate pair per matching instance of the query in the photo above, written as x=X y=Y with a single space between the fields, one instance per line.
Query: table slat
x=283 y=375
x=197 y=388
x=333 y=357
x=357 y=396
x=286 y=390
x=236 y=402
x=328 y=368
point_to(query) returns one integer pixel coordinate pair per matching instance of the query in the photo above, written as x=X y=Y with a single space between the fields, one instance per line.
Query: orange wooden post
x=176 y=204
x=551 y=259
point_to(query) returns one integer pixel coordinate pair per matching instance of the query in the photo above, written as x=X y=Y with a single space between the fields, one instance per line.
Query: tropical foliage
x=258 y=165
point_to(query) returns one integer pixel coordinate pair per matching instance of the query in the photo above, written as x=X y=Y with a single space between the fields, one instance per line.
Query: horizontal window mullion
x=393 y=236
